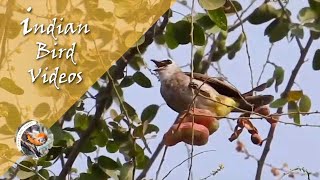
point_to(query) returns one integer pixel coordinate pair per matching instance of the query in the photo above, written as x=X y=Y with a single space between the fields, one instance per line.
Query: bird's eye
x=169 y=61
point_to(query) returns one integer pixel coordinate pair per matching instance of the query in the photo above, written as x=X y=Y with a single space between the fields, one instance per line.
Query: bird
x=210 y=93
x=37 y=138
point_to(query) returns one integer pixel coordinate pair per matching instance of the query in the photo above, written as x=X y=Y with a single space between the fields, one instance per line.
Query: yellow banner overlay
x=51 y=52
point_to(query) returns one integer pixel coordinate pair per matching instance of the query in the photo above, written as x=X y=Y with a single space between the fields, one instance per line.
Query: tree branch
x=279 y=110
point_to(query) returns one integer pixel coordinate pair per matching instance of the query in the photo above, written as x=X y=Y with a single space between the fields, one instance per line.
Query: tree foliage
x=116 y=129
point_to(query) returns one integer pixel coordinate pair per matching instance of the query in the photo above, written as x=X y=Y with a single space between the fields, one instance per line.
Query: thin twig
x=265 y=64
x=246 y=43
x=213 y=173
x=161 y=162
x=184 y=162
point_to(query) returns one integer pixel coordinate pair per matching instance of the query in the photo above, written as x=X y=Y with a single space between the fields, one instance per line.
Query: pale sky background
x=299 y=147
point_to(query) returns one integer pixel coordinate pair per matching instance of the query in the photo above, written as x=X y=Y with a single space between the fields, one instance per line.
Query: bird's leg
x=193 y=85
x=198 y=89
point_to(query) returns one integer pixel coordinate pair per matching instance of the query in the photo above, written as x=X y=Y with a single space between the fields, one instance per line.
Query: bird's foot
x=193 y=85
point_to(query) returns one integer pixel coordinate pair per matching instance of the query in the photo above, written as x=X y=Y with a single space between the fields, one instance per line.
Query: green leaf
x=296 y=30
x=182 y=32
x=221 y=41
x=101 y=138
x=41 y=110
x=229 y=7
x=197 y=58
x=171 y=41
x=136 y=62
x=115 y=73
x=142 y=161
x=305 y=104
x=112 y=147
x=144 y=129
x=97 y=172
x=126 y=171
x=278 y=75
x=315 y=5
x=277 y=30
x=218 y=16
x=316 y=60
x=24 y=175
x=81 y=121
x=179 y=33
x=314 y=26
x=236 y=46
x=211 y=4
x=263 y=14
x=126 y=81
x=119 y=117
x=109 y=101
x=294 y=110
x=113 y=113
x=10 y=86
x=107 y=163
x=307 y=14
x=201 y=19
x=296 y=118
x=278 y=103
x=199 y=38
x=160 y=39
x=26 y=164
x=315 y=35
x=44 y=163
x=130 y=110
x=85 y=176
x=61 y=137
x=44 y=173
x=142 y=80
x=149 y=113
x=88 y=147
x=205 y=65
x=61 y=5
x=270 y=82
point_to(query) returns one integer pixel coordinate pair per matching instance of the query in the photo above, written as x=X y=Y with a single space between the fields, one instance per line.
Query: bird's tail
x=251 y=102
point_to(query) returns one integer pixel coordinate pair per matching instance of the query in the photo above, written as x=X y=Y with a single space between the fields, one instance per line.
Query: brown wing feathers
x=245 y=99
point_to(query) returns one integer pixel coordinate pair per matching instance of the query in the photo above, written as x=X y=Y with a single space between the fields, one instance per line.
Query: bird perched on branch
x=211 y=93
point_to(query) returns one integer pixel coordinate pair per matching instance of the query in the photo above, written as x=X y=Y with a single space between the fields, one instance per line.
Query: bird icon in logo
x=37 y=138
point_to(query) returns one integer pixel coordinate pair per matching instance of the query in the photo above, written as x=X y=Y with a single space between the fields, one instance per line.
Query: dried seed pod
x=275 y=171
x=256 y=139
x=272 y=118
x=263 y=110
x=240 y=146
x=235 y=135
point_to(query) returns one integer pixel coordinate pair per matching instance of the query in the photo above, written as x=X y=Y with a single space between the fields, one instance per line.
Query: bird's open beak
x=159 y=64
